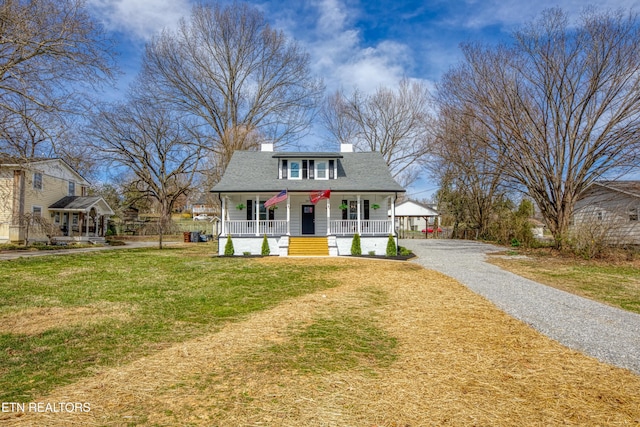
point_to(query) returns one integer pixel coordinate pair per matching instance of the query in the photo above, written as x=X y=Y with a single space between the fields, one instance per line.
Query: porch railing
x=336 y=227
x=367 y=227
x=248 y=228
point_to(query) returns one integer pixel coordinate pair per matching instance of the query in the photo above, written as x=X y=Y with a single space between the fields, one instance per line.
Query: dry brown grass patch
x=32 y=321
x=460 y=361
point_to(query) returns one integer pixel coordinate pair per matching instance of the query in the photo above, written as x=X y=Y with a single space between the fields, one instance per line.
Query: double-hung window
x=294 y=170
x=307 y=169
x=321 y=170
x=37 y=181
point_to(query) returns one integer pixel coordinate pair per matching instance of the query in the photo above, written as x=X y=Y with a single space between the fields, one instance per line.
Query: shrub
x=355 y=245
x=228 y=247
x=265 y=246
x=391 y=246
x=404 y=251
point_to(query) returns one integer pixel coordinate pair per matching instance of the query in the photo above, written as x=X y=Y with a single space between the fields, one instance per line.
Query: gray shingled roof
x=629 y=187
x=257 y=171
x=78 y=203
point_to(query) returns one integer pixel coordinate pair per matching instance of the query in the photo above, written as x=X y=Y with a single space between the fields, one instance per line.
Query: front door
x=308 y=219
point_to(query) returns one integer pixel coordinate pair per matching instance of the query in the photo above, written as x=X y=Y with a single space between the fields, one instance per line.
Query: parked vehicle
x=202 y=217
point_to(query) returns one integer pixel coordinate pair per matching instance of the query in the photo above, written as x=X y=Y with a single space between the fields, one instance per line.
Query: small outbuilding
x=415 y=216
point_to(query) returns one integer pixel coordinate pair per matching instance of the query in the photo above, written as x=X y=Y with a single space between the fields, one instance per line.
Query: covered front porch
x=342 y=214
x=337 y=219
x=80 y=219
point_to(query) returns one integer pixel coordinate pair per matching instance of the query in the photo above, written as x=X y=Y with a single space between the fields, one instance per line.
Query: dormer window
x=294 y=169
x=321 y=170
x=308 y=168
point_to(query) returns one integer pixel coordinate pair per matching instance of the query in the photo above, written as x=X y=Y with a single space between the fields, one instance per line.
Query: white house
x=322 y=200
x=611 y=207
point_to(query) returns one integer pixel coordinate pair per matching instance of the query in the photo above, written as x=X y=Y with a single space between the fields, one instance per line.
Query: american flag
x=276 y=199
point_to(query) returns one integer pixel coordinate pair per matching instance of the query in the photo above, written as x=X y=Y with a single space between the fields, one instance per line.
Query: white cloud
x=338 y=53
x=140 y=18
x=511 y=13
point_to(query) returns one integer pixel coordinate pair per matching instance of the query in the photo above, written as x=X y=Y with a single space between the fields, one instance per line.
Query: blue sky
x=360 y=43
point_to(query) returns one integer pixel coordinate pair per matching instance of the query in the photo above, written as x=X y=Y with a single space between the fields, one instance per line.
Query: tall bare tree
x=243 y=80
x=50 y=52
x=560 y=103
x=154 y=144
x=395 y=123
x=465 y=171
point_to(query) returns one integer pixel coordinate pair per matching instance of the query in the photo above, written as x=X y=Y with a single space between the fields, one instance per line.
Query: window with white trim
x=294 y=170
x=308 y=169
x=37 y=181
x=36 y=212
x=321 y=170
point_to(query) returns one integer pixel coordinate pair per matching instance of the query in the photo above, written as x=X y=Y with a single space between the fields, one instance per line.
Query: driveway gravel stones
x=609 y=334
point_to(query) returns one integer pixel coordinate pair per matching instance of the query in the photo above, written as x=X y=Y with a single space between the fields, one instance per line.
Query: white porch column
x=86 y=223
x=328 y=217
x=288 y=215
x=358 y=215
x=223 y=207
x=257 y=214
x=393 y=216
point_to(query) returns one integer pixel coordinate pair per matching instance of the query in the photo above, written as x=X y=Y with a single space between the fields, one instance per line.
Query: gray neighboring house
x=611 y=207
x=360 y=190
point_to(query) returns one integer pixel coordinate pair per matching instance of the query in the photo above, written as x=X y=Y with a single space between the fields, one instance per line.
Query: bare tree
x=244 y=81
x=50 y=50
x=395 y=123
x=462 y=165
x=153 y=143
x=560 y=103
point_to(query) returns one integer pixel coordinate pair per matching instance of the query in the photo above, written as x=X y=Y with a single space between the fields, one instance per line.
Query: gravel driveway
x=606 y=333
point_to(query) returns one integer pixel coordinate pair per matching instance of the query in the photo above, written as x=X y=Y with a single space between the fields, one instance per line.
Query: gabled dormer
x=309 y=166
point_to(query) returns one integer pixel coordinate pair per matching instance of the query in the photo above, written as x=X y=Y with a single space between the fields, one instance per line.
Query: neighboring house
x=322 y=200
x=415 y=216
x=612 y=207
x=537 y=228
x=202 y=207
x=52 y=190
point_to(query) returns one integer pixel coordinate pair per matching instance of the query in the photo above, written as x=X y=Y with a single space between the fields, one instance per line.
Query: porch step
x=308 y=246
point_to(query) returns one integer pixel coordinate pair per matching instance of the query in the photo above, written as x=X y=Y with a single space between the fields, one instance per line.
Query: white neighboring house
x=612 y=207
x=415 y=216
x=51 y=189
x=360 y=192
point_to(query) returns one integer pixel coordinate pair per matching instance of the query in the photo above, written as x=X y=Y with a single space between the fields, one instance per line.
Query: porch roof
x=257 y=171
x=81 y=204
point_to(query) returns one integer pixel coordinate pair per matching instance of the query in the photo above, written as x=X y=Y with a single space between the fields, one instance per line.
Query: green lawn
x=614 y=283
x=76 y=313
